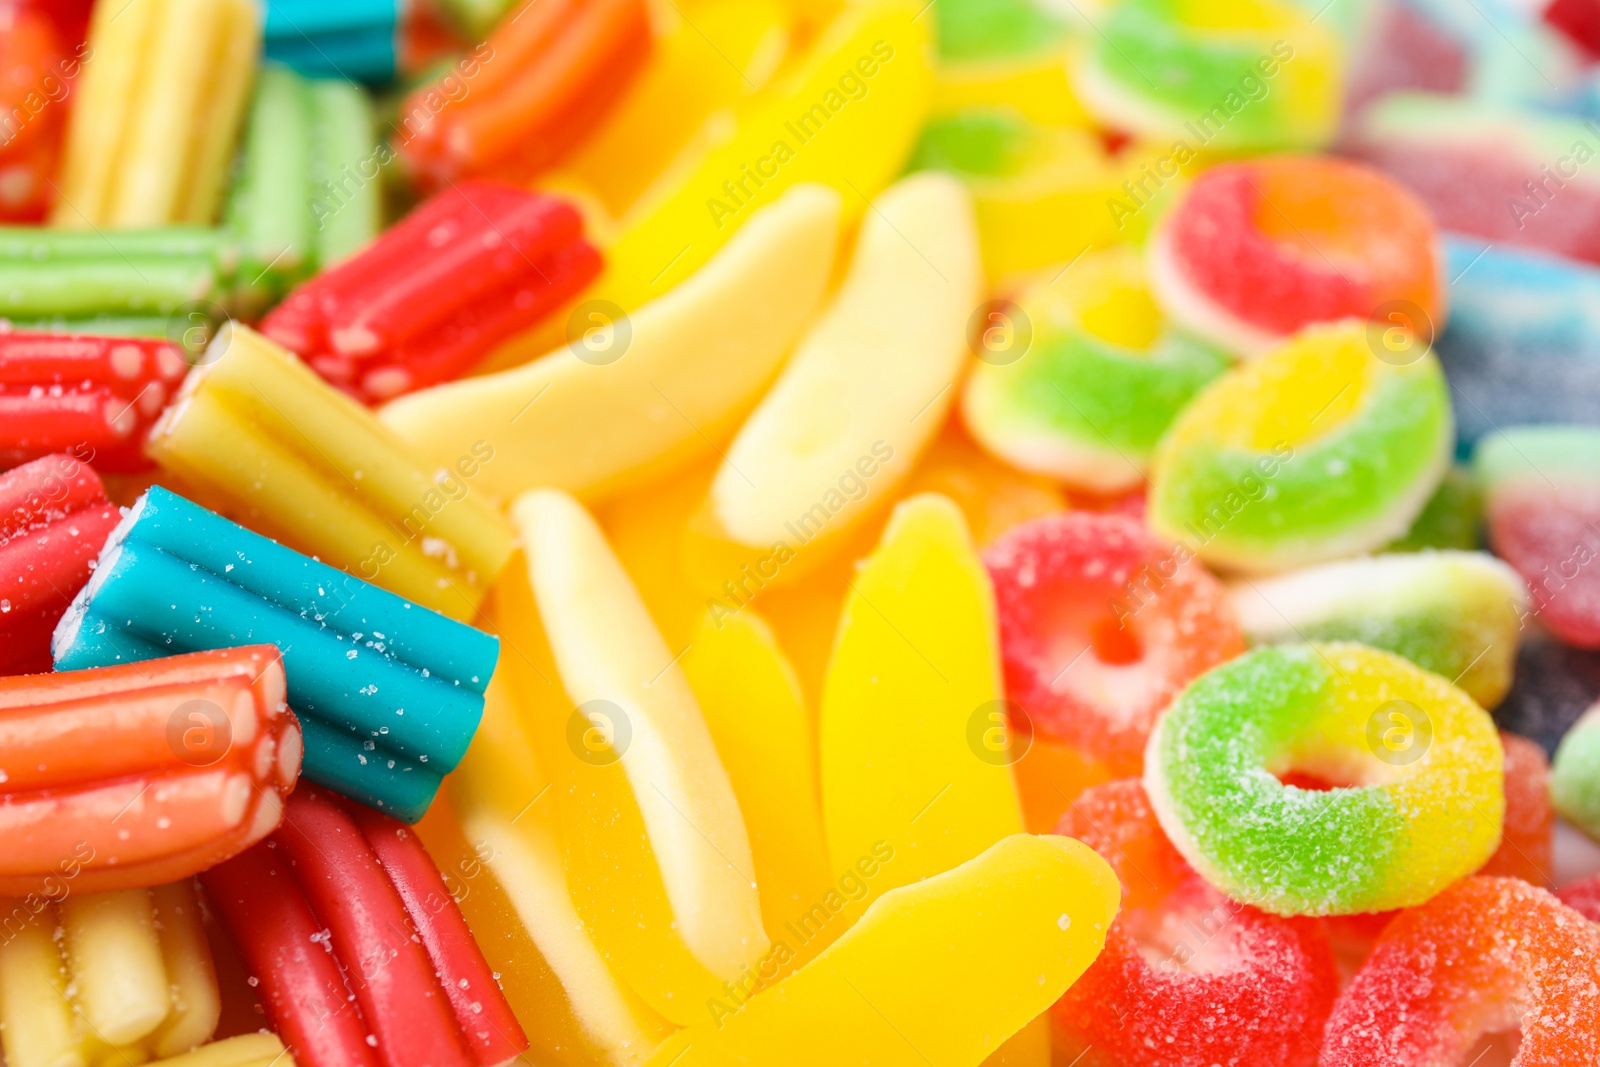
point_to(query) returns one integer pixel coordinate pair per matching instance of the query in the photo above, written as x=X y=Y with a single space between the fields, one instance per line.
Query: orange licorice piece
x=140 y=774
x=543 y=79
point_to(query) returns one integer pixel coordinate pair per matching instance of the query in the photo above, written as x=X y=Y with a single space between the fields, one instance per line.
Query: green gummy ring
x=1425 y=807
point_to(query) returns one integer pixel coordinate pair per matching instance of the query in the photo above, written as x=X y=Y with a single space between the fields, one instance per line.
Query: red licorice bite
x=54 y=518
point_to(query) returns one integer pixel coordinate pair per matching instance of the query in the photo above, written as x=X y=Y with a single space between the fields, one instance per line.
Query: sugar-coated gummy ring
x=1101 y=382
x=1317 y=451
x=1459 y=614
x=1575 y=774
x=1424 y=806
x=1541 y=487
x=1259 y=249
x=1583 y=897
x=1100 y=626
x=1187 y=977
x=1482 y=957
x=1242 y=74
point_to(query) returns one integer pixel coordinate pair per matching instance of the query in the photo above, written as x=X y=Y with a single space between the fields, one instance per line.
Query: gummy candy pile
x=685 y=533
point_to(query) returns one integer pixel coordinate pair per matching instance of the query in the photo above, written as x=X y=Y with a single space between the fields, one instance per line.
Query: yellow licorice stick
x=257 y=434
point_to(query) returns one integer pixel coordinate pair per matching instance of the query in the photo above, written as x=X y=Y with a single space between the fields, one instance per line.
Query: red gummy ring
x=1477 y=959
x=1101 y=625
x=1258 y=249
x=1188 y=978
x=1583 y=897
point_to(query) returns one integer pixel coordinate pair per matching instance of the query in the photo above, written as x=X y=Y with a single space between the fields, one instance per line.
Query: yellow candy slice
x=1059 y=210
x=865 y=392
x=256 y=434
x=657 y=854
x=245 y=1050
x=845 y=117
x=714 y=56
x=1037 y=87
x=130 y=979
x=157 y=111
x=915 y=670
x=514 y=889
x=638 y=396
x=941 y=971
x=757 y=718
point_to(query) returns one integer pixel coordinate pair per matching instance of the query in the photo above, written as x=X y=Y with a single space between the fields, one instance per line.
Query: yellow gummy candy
x=634 y=397
x=1306 y=389
x=130 y=979
x=258 y=435
x=914 y=676
x=161 y=97
x=845 y=117
x=513 y=886
x=715 y=56
x=656 y=850
x=865 y=392
x=245 y=1050
x=1068 y=202
x=942 y=971
x=752 y=704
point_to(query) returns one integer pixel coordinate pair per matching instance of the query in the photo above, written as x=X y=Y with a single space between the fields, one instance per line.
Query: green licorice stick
x=82 y=288
x=267 y=203
x=344 y=199
x=99 y=325
x=34 y=244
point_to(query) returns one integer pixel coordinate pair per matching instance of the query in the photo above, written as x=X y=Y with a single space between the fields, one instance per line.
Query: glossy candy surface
x=469 y=269
x=156 y=113
x=388 y=693
x=548 y=72
x=391 y=945
x=86 y=976
x=1026 y=909
x=137 y=774
x=94 y=397
x=53 y=517
x=254 y=432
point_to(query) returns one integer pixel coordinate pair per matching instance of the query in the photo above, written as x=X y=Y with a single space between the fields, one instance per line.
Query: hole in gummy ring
x=1113 y=643
x=1312 y=782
